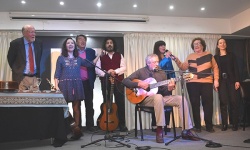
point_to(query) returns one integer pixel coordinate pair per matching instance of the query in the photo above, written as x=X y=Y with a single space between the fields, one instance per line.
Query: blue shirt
x=166 y=64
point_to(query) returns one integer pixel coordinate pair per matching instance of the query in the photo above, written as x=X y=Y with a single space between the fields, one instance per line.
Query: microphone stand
x=184 y=131
x=107 y=134
x=183 y=114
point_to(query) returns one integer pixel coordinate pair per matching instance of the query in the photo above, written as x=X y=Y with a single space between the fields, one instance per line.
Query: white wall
x=240 y=20
x=155 y=24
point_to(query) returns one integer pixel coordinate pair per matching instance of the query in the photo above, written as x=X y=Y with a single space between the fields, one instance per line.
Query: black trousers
x=119 y=98
x=228 y=102
x=88 y=91
x=201 y=92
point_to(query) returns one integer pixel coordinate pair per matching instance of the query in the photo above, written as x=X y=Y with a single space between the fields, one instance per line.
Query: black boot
x=224 y=127
x=235 y=127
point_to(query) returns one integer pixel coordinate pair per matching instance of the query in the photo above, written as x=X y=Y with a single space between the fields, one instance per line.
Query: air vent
x=76 y=17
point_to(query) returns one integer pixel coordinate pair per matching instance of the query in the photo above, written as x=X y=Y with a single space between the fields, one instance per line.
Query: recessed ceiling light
x=32 y=15
x=86 y=35
x=23 y=2
x=171 y=7
x=99 y=4
x=202 y=8
x=134 y=5
x=71 y=34
x=61 y=3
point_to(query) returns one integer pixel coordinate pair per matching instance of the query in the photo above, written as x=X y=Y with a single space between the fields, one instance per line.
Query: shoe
x=77 y=134
x=198 y=130
x=92 y=129
x=159 y=135
x=75 y=137
x=211 y=130
x=123 y=129
x=224 y=127
x=58 y=142
x=235 y=127
x=247 y=141
x=188 y=135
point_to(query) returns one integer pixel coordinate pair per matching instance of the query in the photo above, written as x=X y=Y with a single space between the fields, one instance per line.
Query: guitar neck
x=111 y=93
x=110 y=100
x=154 y=85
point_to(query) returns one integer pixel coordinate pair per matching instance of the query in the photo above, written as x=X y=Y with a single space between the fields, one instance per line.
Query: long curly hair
x=104 y=43
x=65 y=51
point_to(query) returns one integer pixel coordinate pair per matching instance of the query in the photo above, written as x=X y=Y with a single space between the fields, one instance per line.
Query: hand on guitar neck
x=112 y=72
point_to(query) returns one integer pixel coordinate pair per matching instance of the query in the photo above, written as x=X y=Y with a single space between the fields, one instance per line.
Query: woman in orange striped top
x=201 y=63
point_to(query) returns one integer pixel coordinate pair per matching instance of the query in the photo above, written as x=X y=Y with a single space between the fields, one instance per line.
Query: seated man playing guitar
x=140 y=80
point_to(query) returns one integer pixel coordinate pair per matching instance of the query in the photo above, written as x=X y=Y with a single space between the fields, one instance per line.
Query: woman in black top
x=229 y=84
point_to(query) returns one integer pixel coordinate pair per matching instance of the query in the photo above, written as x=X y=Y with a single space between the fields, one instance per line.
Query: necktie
x=31 y=59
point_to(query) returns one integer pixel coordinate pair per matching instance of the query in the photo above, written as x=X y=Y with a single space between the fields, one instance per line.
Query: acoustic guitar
x=108 y=120
x=137 y=95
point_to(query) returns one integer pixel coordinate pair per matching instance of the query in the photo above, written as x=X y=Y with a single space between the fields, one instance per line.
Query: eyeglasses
x=197 y=44
x=154 y=62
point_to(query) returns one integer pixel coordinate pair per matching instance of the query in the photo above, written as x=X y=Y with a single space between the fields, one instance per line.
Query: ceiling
x=182 y=8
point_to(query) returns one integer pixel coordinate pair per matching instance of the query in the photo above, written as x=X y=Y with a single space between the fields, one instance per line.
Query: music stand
x=107 y=135
x=184 y=131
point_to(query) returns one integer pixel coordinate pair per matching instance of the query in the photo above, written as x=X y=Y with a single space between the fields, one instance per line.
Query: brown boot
x=159 y=135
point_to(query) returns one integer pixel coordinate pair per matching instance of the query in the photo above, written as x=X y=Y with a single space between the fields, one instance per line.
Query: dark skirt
x=72 y=89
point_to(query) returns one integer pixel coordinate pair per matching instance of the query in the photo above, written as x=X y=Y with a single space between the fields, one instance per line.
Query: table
x=26 y=116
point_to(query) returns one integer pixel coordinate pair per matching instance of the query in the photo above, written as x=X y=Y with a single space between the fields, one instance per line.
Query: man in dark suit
x=24 y=57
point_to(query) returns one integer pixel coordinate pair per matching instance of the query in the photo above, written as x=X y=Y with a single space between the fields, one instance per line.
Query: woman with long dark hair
x=229 y=84
x=165 y=63
x=68 y=80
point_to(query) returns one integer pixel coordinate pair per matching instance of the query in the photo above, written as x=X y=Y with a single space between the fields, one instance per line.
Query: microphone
x=171 y=55
x=157 y=68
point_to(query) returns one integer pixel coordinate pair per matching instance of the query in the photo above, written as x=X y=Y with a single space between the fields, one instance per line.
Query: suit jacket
x=17 y=57
x=90 y=55
x=232 y=68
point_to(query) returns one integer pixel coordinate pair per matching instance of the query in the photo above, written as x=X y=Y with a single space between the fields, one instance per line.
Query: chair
x=149 y=109
x=245 y=95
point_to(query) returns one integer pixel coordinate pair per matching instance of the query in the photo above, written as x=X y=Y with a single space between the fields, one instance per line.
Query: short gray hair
x=147 y=60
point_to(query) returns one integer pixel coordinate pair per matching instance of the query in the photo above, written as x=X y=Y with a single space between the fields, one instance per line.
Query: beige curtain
x=5 y=38
x=138 y=45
